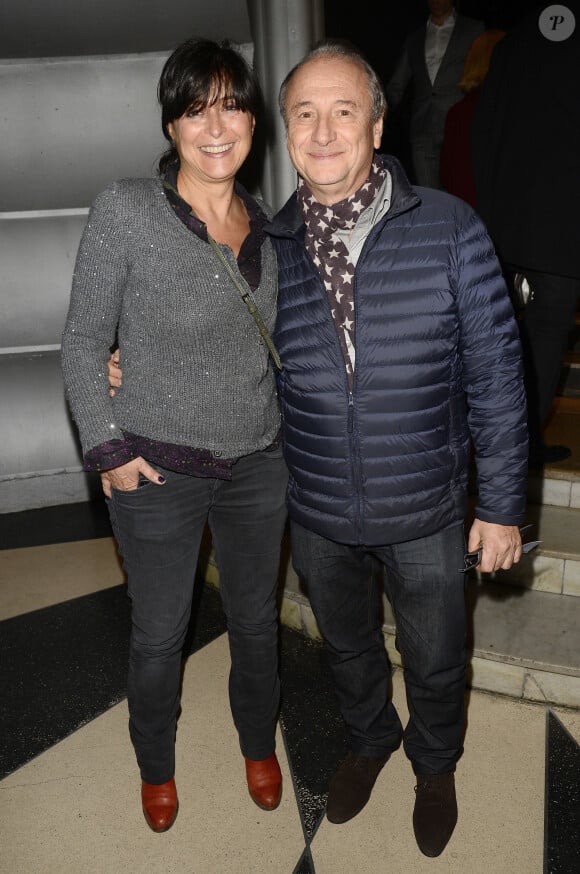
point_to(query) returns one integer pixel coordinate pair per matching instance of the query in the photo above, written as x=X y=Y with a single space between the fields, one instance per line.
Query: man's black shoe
x=548 y=454
x=435 y=813
x=351 y=786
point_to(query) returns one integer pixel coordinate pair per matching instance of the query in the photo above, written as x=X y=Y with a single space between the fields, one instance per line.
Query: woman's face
x=213 y=142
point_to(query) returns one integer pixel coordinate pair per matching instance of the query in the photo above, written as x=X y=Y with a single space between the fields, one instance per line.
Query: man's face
x=440 y=9
x=331 y=136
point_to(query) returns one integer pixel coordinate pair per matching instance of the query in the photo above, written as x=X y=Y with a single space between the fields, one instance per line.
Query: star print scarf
x=331 y=255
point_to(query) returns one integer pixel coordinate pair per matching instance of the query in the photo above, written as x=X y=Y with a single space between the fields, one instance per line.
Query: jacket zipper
x=354 y=443
x=354 y=454
x=355 y=466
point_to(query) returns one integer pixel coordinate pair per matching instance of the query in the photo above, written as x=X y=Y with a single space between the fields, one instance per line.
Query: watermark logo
x=557 y=23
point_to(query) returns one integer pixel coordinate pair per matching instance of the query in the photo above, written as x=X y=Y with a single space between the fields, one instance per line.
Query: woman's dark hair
x=197 y=74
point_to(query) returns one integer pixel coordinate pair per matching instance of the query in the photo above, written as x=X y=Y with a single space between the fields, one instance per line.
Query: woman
x=192 y=435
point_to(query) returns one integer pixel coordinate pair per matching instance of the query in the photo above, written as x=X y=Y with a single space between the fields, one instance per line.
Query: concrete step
x=524 y=643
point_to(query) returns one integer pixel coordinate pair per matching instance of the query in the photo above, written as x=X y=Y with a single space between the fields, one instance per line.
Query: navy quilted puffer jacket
x=437 y=365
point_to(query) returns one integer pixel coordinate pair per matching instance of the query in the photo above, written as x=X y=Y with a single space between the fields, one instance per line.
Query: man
x=399 y=346
x=525 y=146
x=432 y=62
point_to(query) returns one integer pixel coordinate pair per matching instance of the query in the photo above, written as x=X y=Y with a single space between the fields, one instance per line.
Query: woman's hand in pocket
x=125 y=478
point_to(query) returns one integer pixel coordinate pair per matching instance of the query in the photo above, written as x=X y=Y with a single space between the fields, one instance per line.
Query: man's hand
x=501 y=545
x=114 y=372
x=126 y=476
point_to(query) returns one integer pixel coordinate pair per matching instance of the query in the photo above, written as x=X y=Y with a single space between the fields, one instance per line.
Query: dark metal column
x=282 y=31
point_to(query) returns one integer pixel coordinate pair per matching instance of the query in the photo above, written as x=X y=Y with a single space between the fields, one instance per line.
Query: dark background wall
x=380 y=28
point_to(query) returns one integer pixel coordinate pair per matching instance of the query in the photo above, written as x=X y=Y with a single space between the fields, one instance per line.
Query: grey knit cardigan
x=195 y=369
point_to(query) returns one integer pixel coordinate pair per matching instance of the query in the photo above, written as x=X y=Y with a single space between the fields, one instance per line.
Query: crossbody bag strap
x=249 y=301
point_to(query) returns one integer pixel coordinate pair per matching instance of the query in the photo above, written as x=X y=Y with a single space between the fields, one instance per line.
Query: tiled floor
x=69 y=800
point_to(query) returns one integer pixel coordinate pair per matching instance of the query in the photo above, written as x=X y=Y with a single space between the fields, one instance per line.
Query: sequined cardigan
x=195 y=369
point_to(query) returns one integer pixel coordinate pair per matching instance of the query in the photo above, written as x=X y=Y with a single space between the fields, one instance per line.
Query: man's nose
x=323 y=132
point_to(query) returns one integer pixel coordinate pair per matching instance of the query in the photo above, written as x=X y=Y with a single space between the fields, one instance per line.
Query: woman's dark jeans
x=427 y=593
x=159 y=530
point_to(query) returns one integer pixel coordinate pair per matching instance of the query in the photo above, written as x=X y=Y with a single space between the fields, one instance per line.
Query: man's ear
x=378 y=132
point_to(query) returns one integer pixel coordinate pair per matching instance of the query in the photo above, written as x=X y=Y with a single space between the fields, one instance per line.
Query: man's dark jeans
x=427 y=593
x=159 y=529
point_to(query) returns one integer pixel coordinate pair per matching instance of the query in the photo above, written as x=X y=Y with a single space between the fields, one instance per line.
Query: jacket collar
x=288 y=221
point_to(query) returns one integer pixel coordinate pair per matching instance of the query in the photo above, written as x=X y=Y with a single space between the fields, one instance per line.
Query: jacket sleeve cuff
x=500 y=518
